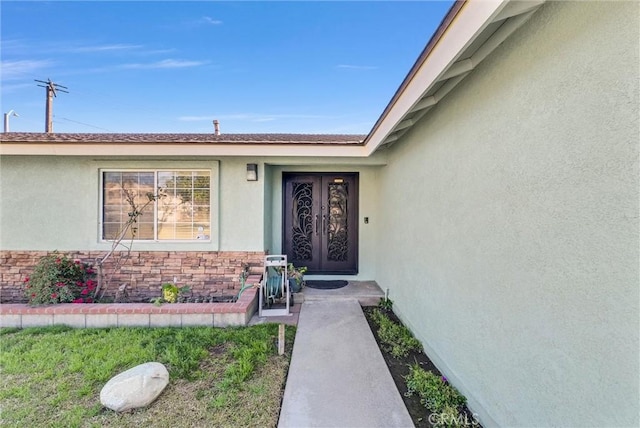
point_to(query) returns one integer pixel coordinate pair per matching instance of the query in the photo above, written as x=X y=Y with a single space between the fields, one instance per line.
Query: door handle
x=316 y=224
x=324 y=224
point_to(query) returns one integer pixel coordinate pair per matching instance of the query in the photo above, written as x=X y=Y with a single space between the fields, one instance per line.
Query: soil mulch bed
x=399 y=368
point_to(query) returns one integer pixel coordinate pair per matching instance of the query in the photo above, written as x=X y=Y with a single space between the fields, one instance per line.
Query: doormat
x=326 y=285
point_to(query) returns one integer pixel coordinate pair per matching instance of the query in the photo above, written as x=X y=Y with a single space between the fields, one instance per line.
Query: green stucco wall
x=510 y=224
x=48 y=203
x=241 y=207
x=53 y=202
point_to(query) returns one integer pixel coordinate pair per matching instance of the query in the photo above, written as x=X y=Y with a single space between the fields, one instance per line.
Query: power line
x=82 y=123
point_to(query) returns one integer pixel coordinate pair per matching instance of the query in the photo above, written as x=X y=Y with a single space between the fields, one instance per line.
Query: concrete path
x=337 y=376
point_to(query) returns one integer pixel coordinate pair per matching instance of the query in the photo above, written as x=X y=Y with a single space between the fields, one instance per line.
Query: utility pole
x=51 y=89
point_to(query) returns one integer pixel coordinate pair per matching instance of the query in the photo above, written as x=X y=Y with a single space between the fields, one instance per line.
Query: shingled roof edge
x=148 y=138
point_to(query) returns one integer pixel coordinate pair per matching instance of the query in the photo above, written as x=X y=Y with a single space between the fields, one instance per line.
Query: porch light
x=252 y=172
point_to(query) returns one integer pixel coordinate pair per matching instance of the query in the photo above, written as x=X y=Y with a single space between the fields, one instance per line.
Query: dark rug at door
x=326 y=285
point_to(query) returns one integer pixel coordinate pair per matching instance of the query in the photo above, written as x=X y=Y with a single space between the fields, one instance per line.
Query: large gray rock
x=136 y=387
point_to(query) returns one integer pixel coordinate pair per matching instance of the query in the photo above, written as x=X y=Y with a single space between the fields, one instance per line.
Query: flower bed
x=418 y=380
x=86 y=315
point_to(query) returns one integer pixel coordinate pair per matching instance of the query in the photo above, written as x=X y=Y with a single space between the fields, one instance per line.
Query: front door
x=321 y=221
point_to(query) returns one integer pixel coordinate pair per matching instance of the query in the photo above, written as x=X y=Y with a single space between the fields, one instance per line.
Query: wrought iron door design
x=320 y=221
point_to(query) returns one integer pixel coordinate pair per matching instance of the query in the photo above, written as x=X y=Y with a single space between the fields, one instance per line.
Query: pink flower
x=54 y=295
x=60 y=284
x=77 y=262
x=85 y=292
x=33 y=294
x=79 y=283
x=58 y=261
x=26 y=279
x=80 y=300
x=88 y=300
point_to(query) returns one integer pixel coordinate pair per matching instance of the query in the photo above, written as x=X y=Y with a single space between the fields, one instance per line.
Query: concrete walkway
x=337 y=376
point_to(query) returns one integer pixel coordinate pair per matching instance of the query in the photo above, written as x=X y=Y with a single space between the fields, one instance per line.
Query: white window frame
x=169 y=168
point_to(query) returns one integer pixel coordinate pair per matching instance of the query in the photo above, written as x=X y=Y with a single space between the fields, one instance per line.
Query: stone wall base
x=214 y=273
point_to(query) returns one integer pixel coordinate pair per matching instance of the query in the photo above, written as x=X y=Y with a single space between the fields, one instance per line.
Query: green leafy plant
x=170 y=292
x=385 y=303
x=395 y=338
x=58 y=279
x=157 y=301
x=437 y=395
x=297 y=273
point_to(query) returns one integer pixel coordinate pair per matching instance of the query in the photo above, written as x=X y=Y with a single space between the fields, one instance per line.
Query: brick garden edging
x=96 y=315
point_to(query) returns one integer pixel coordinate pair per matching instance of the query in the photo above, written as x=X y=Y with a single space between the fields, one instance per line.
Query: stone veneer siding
x=206 y=273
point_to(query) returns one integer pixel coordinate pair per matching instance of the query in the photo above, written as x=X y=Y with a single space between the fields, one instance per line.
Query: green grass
x=218 y=377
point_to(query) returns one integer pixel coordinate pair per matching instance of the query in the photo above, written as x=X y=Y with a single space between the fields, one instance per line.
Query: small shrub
x=395 y=338
x=378 y=317
x=58 y=279
x=170 y=293
x=436 y=394
x=385 y=303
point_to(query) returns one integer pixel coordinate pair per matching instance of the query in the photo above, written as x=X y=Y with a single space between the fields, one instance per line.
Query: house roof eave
x=119 y=145
x=470 y=31
x=180 y=150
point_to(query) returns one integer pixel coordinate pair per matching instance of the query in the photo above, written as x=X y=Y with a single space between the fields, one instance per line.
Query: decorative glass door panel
x=320 y=221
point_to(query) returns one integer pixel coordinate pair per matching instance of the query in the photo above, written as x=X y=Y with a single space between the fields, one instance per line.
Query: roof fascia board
x=519 y=7
x=468 y=22
x=180 y=150
x=500 y=36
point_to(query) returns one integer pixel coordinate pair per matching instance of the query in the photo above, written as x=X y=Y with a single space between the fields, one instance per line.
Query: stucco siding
x=48 y=203
x=241 y=206
x=508 y=229
x=53 y=202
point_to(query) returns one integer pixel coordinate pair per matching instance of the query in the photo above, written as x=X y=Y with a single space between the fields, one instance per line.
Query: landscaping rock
x=136 y=387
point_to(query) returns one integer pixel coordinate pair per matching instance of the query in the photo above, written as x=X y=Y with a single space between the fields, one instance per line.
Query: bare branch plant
x=120 y=242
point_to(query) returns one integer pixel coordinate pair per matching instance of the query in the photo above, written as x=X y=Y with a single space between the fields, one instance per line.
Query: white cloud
x=18 y=69
x=15 y=87
x=194 y=118
x=104 y=48
x=157 y=51
x=250 y=117
x=165 y=63
x=13 y=46
x=356 y=67
x=210 y=21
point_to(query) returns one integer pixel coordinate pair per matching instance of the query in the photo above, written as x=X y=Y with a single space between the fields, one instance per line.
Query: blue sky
x=257 y=67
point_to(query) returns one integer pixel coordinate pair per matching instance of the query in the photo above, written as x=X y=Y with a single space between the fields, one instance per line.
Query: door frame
x=353 y=215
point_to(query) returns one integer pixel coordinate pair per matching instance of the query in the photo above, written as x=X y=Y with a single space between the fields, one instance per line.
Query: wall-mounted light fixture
x=252 y=172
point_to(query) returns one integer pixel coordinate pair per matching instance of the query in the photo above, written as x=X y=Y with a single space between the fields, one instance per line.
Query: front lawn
x=218 y=377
